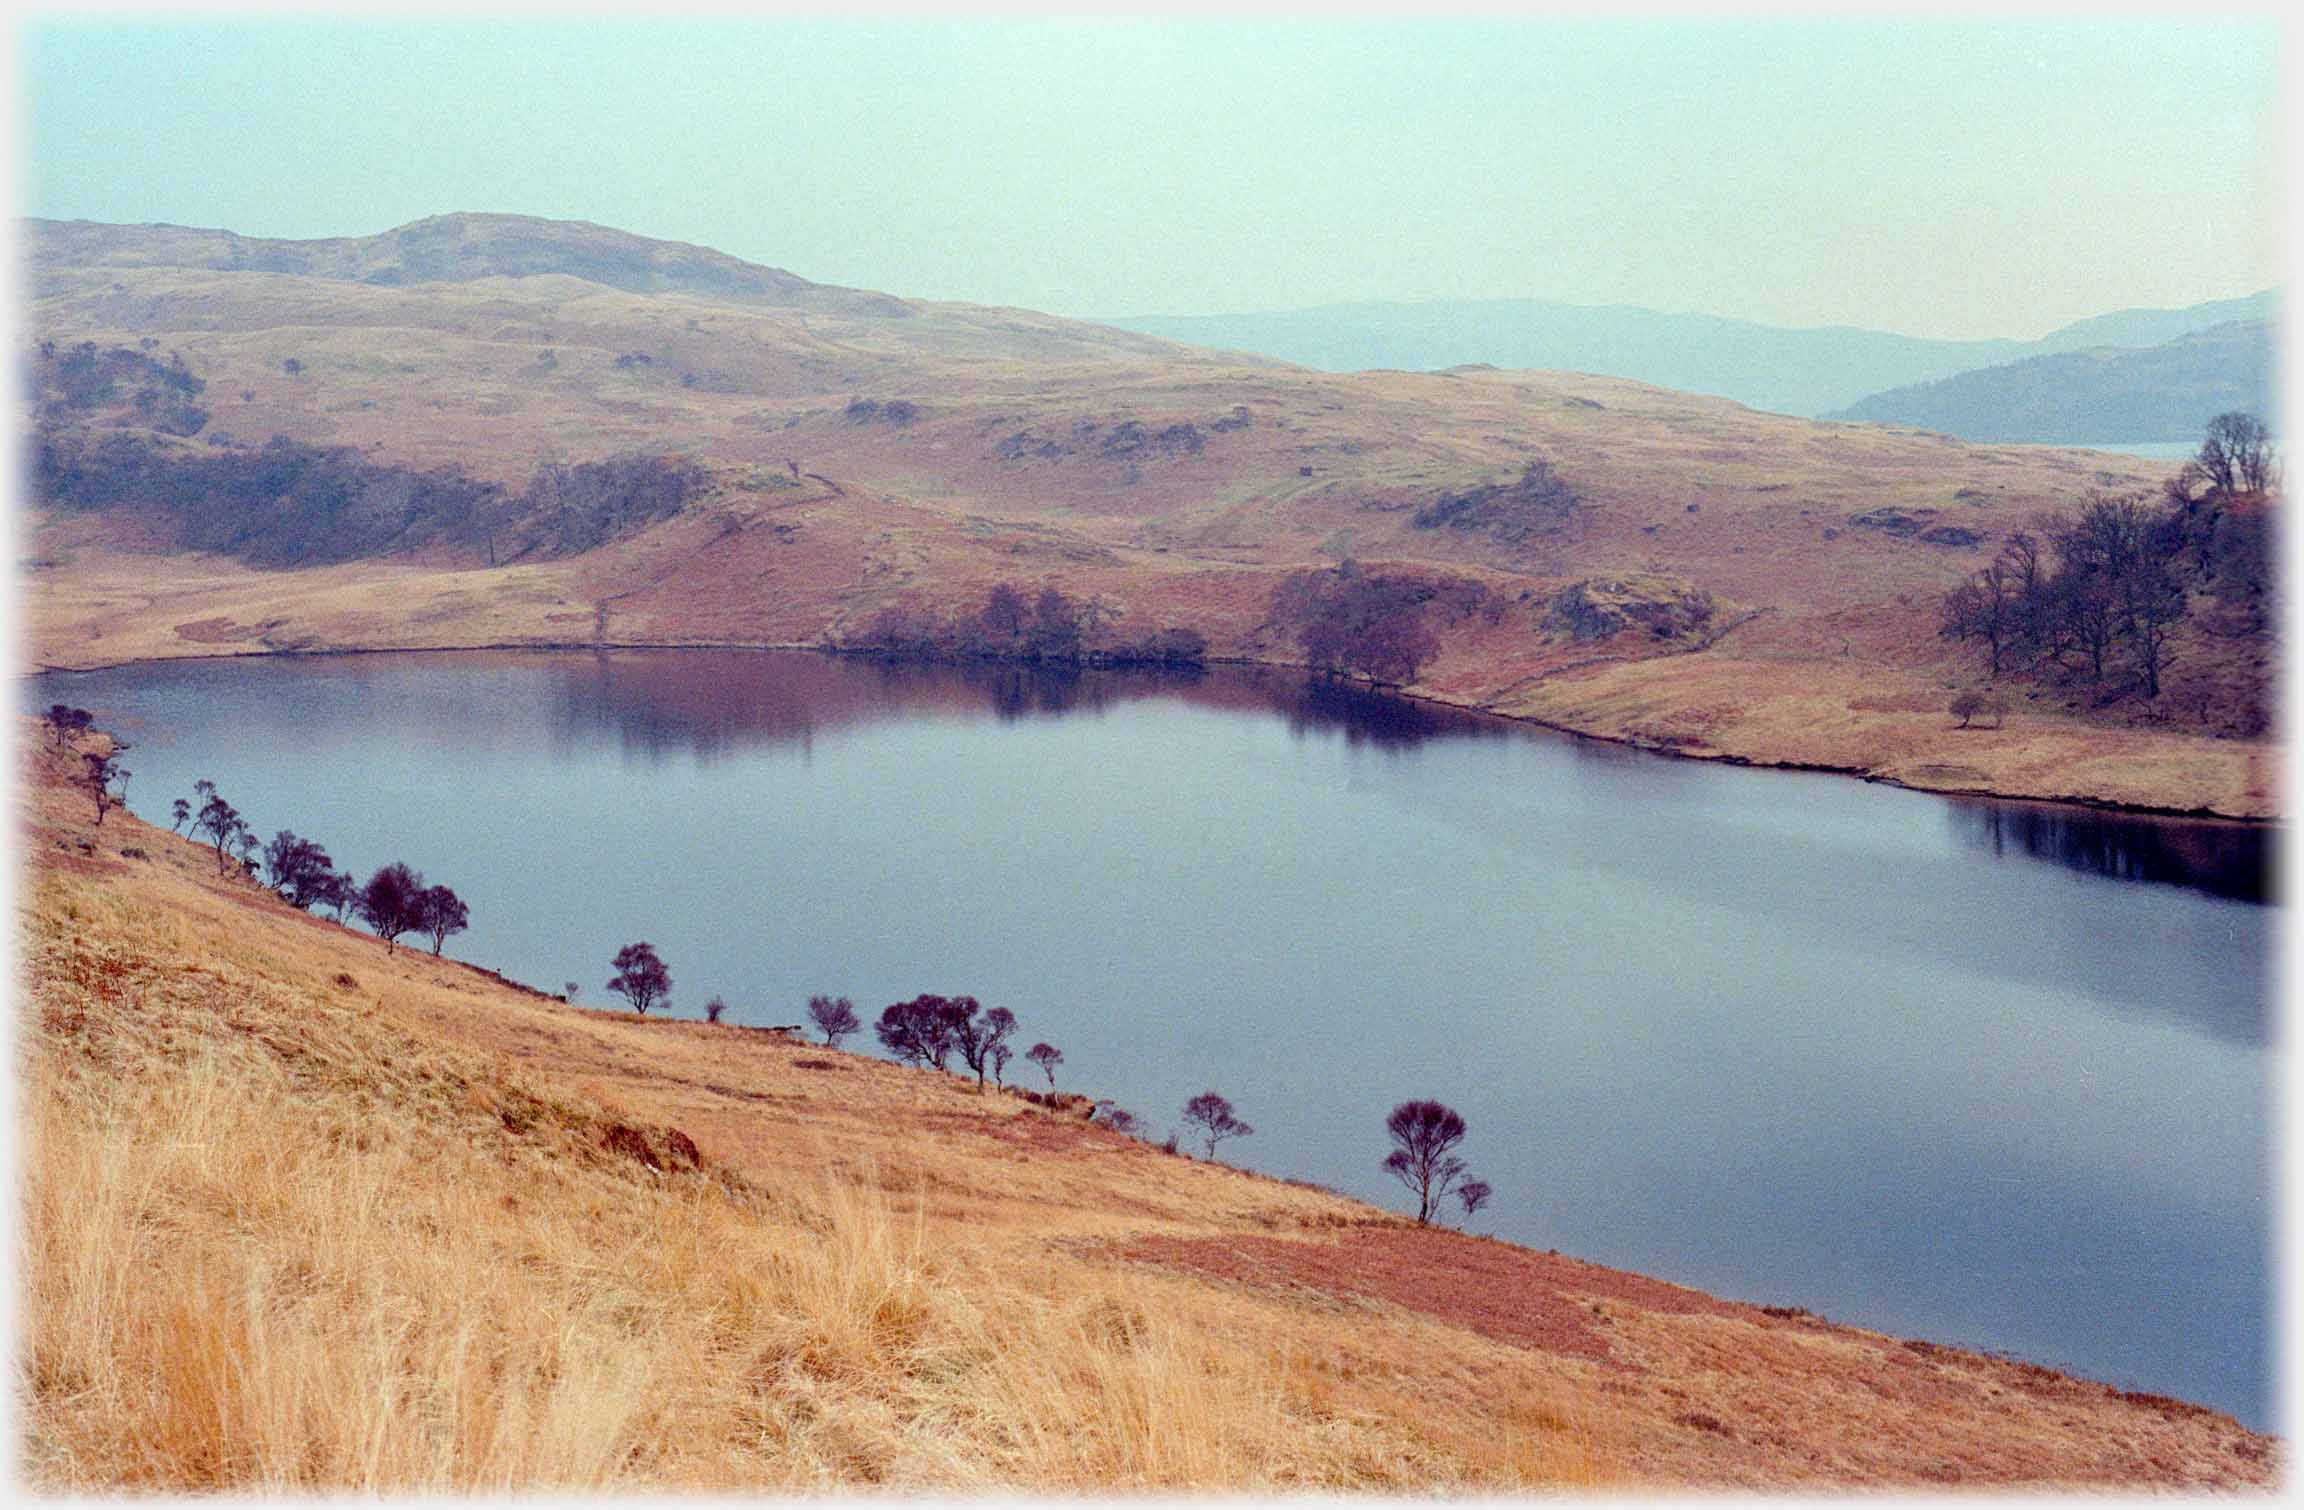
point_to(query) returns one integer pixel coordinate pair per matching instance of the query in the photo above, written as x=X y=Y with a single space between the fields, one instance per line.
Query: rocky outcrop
x=1659 y=607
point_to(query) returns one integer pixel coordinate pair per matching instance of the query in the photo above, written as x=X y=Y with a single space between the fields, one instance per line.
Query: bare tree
x=2236 y=454
x=1423 y=1135
x=65 y=724
x=1047 y=1056
x=105 y=779
x=217 y=819
x=835 y=1018
x=388 y=903
x=976 y=1037
x=924 y=1030
x=1212 y=1115
x=300 y=869
x=641 y=978
x=439 y=913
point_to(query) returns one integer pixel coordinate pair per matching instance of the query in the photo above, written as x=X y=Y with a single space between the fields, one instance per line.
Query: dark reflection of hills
x=659 y=704
x=2230 y=860
x=1365 y=716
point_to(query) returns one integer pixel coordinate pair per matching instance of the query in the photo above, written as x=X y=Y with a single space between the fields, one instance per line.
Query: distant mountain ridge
x=2102 y=394
x=1806 y=372
x=457 y=248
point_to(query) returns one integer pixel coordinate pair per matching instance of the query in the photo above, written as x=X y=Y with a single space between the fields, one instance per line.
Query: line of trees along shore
x=1049 y=627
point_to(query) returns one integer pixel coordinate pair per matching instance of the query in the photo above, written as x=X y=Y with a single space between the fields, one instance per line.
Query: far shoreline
x=2090 y=804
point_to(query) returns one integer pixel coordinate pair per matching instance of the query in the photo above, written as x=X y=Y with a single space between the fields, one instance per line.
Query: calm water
x=1993 y=1074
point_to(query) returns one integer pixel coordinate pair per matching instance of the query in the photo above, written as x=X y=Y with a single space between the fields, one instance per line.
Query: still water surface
x=1993 y=1074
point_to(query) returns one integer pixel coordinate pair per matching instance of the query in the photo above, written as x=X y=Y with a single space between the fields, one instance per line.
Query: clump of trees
x=76 y=380
x=569 y=509
x=2101 y=600
x=287 y=503
x=283 y=504
x=1380 y=625
x=641 y=978
x=1049 y=627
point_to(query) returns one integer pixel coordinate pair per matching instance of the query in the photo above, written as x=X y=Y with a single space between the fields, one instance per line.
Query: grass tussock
x=275 y=1241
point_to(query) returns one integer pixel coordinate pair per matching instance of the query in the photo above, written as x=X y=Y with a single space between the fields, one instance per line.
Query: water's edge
x=1860 y=773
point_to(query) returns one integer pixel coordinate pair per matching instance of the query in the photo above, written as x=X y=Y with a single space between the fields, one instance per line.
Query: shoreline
x=1859 y=773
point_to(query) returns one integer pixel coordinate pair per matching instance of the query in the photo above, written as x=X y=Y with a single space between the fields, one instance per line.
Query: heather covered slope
x=864 y=459
x=305 y=1215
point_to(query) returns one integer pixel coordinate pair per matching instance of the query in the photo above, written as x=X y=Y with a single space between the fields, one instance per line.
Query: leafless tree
x=1424 y=1133
x=439 y=913
x=2236 y=454
x=923 y=1030
x=217 y=818
x=1212 y=1115
x=641 y=978
x=66 y=724
x=389 y=903
x=834 y=1016
x=977 y=1037
x=300 y=869
x=104 y=779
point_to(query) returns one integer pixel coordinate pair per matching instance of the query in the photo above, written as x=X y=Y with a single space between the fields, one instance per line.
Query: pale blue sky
x=1942 y=179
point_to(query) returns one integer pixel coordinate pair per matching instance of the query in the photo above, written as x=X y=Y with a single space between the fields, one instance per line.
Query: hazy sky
x=1942 y=179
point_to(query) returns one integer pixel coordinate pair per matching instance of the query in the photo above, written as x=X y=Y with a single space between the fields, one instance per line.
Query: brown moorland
x=304 y=1213
x=866 y=451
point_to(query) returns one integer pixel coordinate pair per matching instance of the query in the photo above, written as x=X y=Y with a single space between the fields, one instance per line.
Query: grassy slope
x=303 y=1214
x=1018 y=463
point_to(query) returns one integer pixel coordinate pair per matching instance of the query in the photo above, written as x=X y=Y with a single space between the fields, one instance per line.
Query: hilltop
x=2166 y=392
x=307 y=1215
x=1704 y=578
x=1806 y=371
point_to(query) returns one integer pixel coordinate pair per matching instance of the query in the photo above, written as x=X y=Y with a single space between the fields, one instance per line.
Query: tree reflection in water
x=2229 y=860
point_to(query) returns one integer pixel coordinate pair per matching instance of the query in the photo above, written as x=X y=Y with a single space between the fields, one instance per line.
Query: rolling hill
x=1789 y=371
x=852 y=452
x=2103 y=394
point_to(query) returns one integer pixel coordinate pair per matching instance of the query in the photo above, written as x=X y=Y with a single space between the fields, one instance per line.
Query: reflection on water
x=2230 y=860
x=713 y=703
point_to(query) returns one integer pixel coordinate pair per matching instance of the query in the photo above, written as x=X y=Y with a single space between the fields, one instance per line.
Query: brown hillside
x=304 y=1215
x=870 y=458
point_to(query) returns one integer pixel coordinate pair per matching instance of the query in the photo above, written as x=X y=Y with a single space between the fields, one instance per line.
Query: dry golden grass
x=277 y=1241
x=301 y=1214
